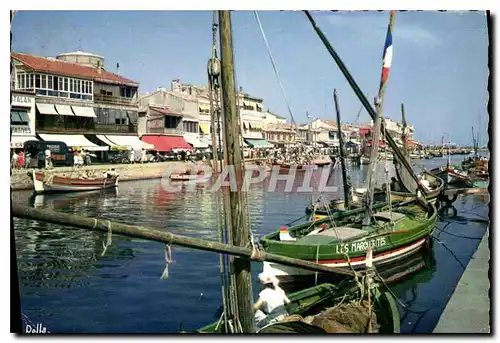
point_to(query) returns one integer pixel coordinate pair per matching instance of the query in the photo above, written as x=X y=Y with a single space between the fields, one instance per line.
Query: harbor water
x=68 y=287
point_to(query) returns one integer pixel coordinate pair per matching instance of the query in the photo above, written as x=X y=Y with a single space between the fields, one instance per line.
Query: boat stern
x=38 y=186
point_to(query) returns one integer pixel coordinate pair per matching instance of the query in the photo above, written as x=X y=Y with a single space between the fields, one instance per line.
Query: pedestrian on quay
x=14 y=159
x=20 y=161
x=132 y=156
x=47 y=159
x=27 y=160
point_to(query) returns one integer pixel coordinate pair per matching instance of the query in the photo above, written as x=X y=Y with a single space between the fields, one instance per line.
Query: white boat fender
x=285 y=235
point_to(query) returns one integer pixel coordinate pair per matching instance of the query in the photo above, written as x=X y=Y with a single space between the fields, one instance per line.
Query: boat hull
x=450 y=177
x=316 y=242
x=43 y=183
x=381 y=259
x=312 y=300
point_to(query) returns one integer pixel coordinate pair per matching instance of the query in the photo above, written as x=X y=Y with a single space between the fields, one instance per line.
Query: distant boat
x=452 y=176
x=364 y=160
x=49 y=183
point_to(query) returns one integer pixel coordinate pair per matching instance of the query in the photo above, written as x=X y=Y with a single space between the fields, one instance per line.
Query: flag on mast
x=387 y=57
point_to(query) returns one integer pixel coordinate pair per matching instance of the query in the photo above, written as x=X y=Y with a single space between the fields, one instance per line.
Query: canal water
x=68 y=287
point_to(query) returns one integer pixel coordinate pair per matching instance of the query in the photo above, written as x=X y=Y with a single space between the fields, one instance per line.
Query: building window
x=120 y=121
x=171 y=122
x=126 y=92
x=51 y=85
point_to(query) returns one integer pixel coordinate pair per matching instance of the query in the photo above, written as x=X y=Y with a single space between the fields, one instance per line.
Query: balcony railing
x=95 y=129
x=165 y=131
x=118 y=100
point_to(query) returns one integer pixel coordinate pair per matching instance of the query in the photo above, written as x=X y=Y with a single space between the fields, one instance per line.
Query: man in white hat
x=270 y=306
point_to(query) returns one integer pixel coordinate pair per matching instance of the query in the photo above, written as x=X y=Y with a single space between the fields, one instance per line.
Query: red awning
x=364 y=131
x=410 y=142
x=167 y=143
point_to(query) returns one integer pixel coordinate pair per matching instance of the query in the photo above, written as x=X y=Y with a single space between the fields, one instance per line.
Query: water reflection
x=422 y=263
x=62 y=270
x=67 y=200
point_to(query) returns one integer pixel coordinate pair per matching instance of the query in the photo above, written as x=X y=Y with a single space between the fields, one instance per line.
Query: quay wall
x=128 y=172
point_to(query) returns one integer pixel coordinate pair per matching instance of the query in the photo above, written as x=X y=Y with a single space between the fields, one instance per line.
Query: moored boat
x=285 y=167
x=49 y=182
x=435 y=187
x=312 y=301
x=341 y=241
x=452 y=176
x=186 y=177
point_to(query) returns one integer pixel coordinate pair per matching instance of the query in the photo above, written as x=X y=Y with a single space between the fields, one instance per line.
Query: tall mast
x=379 y=102
x=342 y=154
x=213 y=92
x=474 y=144
x=399 y=156
x=405 y=141
x=237 y=212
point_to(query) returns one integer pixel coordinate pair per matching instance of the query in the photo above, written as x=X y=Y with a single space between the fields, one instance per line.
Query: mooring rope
x=275 y=68
x=168 y=260
x=108 y=240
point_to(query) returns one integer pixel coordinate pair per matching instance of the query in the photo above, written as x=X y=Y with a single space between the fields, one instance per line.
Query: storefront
x=22 y=119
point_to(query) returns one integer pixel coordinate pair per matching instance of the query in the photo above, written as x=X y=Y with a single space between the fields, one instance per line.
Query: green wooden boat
x=313 y=300
x=436 y=186
x=393 y=235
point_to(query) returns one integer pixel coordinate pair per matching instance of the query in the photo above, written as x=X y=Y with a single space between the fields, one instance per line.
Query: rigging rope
x=214 y=83
x=275 y=68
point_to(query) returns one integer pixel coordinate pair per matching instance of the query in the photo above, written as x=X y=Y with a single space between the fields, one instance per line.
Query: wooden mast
x=237 y=214
x=379 y=102
x=399 y=155
x=405 y=141
x=347 y=187
x=213 y=87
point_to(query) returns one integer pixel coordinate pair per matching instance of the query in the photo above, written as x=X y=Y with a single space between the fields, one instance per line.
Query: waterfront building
x=78 y=102
x=280 y=133
x=169 y=121
x=272 y=118
x=22 y=118
x=250 y=109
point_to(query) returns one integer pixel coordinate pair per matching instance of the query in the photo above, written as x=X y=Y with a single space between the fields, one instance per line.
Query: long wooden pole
x=95 y=224
x=375 y=138
x=240 y=229
x=342 y=154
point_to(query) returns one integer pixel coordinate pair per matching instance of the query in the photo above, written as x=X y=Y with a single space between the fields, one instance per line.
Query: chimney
x=99 y=67
x=241 y=89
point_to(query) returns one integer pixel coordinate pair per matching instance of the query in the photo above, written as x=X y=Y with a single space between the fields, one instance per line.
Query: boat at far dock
x=44 y=182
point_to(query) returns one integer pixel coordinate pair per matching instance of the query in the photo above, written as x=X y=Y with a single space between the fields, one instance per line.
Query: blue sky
x=439 y=68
